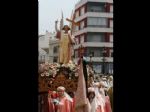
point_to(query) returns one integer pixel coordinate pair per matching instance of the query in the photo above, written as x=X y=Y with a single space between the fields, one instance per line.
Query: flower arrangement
x=52 y=69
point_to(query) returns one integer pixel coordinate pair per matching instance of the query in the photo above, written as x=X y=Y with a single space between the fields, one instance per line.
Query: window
x=82 y=11
x=82 y=39
x=111 y=53
x=77 y=40
x=97 y=67
x=76 y=28
x=111 y=68
x=96 y=7
x=97 y=22
x=55 y=59
x=95 y=37
x=43 y=57
x=97 y=52
x=55 y=50
x=81 y=24
x=76 y=54
x=42 y=38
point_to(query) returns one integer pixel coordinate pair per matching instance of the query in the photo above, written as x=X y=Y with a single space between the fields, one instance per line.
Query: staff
x=85 y=74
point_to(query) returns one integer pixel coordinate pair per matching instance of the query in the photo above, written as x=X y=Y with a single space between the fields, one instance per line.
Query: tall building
x=95 y=33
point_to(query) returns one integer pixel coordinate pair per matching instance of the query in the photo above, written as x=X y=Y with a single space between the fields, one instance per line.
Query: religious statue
x=66 y=41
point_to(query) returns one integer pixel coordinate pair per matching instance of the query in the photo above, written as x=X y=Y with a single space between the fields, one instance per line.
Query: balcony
x=95 y=44
x=97 y=59
x=100 y=59
x=82 y=2
x=95 y=14
x=93 y=29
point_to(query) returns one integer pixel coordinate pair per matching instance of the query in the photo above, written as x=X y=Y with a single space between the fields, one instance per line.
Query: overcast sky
x=50 y=11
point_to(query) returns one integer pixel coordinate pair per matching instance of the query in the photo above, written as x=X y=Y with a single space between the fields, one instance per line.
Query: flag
x=81 y=98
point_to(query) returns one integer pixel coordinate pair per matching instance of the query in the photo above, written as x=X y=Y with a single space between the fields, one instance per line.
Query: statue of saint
x=66 y=42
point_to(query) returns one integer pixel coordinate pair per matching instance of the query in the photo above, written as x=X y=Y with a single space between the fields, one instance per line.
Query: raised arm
x=56 y=22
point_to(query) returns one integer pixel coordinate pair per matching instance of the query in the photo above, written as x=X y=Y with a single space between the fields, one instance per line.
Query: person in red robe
x=64 y=101
x=103 y=90
x=51 y=97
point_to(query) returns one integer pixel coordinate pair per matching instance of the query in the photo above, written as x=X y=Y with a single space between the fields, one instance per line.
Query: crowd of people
x=100 y=96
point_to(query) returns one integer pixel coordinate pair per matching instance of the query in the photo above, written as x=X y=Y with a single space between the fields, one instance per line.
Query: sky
x=50 y=11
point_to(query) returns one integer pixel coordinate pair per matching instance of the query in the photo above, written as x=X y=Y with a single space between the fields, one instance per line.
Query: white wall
x=44 y=43
x=43 y=56
x=44 y=40
x=52 y=43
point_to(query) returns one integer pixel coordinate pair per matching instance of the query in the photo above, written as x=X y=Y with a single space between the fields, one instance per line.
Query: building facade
x=43 y=46
x=53 y=50
x=95 y=33
x=43 y=56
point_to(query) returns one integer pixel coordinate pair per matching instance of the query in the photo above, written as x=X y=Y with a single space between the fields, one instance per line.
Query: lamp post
x=103 y=66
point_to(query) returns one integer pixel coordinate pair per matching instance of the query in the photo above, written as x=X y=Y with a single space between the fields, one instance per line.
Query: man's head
x=102 y=84
x=60 y=91
x=91 y=78
x=91 y=93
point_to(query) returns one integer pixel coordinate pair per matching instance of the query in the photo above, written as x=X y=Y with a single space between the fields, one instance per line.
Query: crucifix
x=73 y=22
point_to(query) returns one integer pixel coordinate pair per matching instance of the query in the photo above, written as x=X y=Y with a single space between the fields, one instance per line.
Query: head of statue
x=66 y=28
